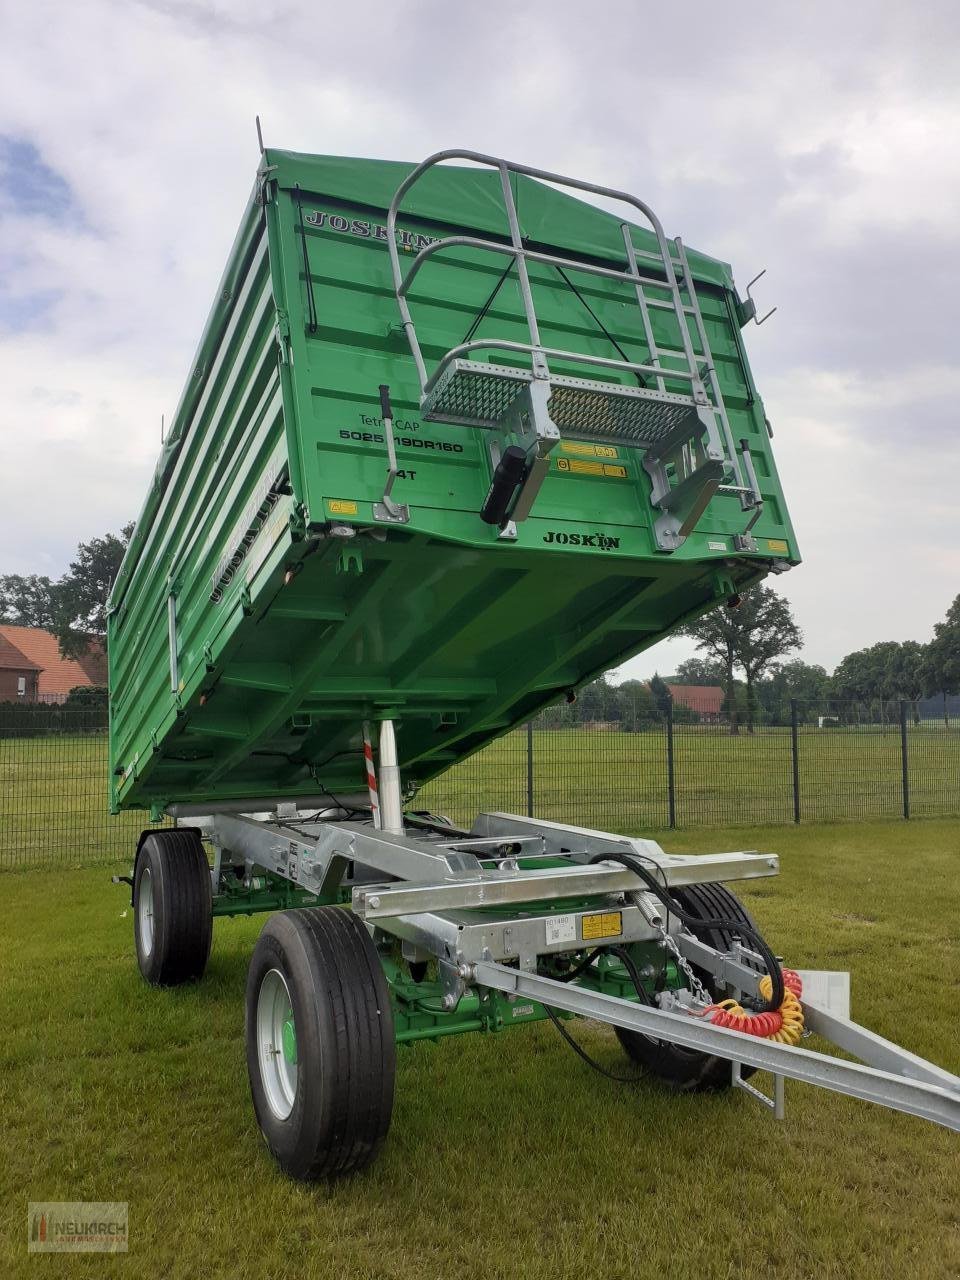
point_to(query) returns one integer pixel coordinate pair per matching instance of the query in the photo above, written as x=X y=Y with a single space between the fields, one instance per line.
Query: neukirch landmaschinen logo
x=77 y=1226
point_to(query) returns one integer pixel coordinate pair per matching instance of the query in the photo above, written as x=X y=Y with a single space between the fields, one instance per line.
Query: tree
x=27 y=601
x=905 y=673
x=662 y=698
x=803 y=682
x=699 y=671
x=753 y=636
x=596 y=701
x=768 y=632
x=882 y=672
x=637 y=710
x=716 y=633
x=74 y=607
x=940 y=668
x=82 y=593
x=734 y=701
x=861 y=674
x=83 y=697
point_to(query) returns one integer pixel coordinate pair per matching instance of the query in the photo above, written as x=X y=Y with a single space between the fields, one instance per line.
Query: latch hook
x=751 y=307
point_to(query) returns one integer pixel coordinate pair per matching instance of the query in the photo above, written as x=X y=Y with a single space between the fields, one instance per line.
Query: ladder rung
x=672 y=351
x=656 y=257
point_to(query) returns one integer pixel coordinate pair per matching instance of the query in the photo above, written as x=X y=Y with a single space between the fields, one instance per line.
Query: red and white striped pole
x=391 y=811
x=371 y=776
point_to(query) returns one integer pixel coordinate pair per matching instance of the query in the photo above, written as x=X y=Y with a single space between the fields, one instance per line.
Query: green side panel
x=263 y=613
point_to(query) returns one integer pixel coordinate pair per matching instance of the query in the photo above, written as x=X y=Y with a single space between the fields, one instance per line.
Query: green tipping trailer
x=269 y=602
x=455 y=441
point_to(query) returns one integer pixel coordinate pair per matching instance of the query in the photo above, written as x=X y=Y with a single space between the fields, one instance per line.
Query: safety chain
x=699 y=991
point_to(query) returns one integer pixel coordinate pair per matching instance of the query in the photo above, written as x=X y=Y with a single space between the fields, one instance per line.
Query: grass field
x=507 y=1157
x=53 y=790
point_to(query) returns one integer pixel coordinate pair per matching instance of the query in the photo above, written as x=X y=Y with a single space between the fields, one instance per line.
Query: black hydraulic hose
x=440 y=828
x=625 y=959
x=578 y=969
x=708 y=922
x=628 y=962
x=582 y=1053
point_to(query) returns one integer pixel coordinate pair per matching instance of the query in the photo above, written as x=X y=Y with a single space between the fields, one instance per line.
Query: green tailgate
x=263 y=612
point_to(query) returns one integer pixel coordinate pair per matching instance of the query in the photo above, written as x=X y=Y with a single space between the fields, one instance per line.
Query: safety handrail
x=507 y=344
x=676 y=277
x=521 y=254
x=551 y=259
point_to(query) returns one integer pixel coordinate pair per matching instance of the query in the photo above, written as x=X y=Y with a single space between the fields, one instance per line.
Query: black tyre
x=688 y=1070
x=320 y=1046
x=172 y=907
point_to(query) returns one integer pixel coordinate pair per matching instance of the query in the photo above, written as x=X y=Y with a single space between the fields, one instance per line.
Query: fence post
x=795 y=749
x=904 y=759
x=671 y=778
x=529 y=768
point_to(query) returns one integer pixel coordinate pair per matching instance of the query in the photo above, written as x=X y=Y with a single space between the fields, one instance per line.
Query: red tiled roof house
x=48 y=677
x=706 y=700
x=19 y=677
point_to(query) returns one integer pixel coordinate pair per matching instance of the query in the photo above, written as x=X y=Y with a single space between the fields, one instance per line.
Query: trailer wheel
x=689 y=1070
x=172 y=907
x=320 y=1046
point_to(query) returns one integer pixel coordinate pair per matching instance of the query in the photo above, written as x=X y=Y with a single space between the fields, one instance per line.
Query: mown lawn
x=507 y=1157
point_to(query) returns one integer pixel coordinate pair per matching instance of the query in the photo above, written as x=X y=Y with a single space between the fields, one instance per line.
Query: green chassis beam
x=418 y=1012
x=269 y=893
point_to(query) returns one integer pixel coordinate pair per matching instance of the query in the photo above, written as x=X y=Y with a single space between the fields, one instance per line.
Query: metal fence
x=642 y=769
x=673 y=768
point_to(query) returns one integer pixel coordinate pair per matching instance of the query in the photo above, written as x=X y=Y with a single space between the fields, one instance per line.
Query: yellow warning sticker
x=588 y=450
x=607 y=925
x=341 y=507
x=776 y=544
x=576 y=467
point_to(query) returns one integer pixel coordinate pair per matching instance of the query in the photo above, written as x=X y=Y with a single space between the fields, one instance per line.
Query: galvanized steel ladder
x=687 y=443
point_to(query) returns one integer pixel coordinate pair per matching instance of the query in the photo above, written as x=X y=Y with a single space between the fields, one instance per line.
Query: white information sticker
x=717 y=546
x=561 y=929
x=828 y=988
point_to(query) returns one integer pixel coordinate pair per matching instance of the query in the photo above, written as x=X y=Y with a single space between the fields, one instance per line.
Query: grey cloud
x=815 y=141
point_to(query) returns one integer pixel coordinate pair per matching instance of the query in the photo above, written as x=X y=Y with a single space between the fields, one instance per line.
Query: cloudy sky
x=820 y=141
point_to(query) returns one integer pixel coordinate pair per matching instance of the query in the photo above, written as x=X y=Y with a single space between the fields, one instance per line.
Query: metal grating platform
x=473 y=394
x=626 y=416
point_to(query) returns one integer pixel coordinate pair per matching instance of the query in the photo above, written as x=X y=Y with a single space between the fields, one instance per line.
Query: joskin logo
x=601 y=541
x=365 y=229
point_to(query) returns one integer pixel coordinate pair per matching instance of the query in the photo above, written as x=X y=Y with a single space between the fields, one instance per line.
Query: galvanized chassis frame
x=426 y=892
